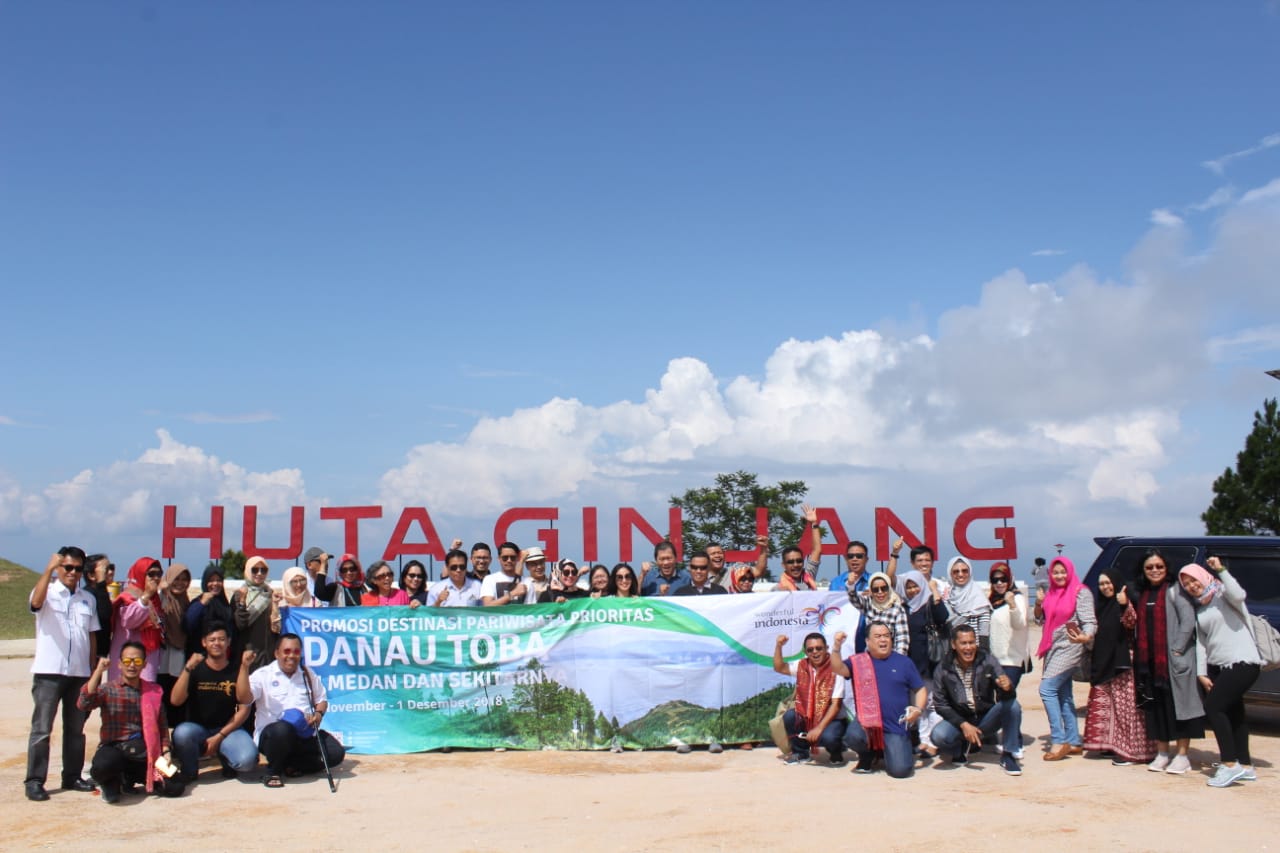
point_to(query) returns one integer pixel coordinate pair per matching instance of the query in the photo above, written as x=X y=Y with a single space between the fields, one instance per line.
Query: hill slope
x=15 y=586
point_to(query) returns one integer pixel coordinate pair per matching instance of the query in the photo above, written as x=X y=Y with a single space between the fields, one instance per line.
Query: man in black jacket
x=975 y=698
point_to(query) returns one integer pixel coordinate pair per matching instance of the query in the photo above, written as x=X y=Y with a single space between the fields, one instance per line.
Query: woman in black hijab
x=1114 y=725
x=212 y=606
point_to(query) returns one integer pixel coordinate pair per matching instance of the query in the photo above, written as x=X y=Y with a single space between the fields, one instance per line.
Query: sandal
x=273 y=781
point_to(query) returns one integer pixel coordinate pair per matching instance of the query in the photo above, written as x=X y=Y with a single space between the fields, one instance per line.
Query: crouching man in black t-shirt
x=215 y=720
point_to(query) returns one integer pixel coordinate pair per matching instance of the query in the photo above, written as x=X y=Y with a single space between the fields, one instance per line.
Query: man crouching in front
x=290 y=703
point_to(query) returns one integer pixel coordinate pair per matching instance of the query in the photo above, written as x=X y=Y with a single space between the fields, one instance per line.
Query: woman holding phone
x=1069 y=625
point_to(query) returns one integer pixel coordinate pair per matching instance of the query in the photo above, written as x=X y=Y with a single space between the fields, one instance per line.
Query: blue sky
x=566 y=254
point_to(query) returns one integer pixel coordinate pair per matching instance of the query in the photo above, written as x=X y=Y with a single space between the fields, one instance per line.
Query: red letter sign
x=886 y=520
x=398 y=546
x=1006 y=534
x=549 y=536
x=629 y=518
x=350 y=516
x=173 y=532
x=249 y=540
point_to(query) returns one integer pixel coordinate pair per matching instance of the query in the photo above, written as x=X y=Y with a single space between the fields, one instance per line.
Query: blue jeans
x=1005 y=717
x=832 y=737
x=898 y=760
x=1060 y=704
x=236 y=751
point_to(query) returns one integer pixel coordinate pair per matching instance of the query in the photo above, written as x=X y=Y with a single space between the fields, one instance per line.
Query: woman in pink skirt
x=1114 y=726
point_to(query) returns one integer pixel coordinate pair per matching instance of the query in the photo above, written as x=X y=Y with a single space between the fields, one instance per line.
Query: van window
x=1258 y=573
x=1129 y=560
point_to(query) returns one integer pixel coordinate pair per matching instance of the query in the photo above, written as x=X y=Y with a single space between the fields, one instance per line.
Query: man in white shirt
x=507 y=586
x=66 y=620
x=457 y=589
x=289 y=705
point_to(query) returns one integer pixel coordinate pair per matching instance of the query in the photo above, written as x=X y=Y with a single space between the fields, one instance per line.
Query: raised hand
x=195 y=660
x=810 y=514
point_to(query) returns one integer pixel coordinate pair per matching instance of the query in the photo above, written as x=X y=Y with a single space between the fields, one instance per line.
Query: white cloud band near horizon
x=1065 y=394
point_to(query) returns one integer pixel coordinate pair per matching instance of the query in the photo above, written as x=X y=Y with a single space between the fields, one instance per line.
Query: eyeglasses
x=813 y=650
x=507 y=558
x=959 y=571
x=258 y=570
x=569 y=571
x=1154 y=566
x=289 y=653
x=855 y=556
x=880 y=588
x=748 y=578
x=383 y=577
x=415 y=576
x=73 y=568
x=155 y=574
x=132 y=661
x=794 y=562
x=999 y=580
x=455 y=569
x=347 y=569
x=699 y=568
x=626 y=577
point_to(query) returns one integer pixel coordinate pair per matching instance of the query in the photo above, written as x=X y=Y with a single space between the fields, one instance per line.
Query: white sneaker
x=1180 y=765
x=1226 y=775
x=1160 y=763
x=1249 y=774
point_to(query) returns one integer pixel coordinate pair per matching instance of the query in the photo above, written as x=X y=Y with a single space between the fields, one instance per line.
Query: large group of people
x=923 y=667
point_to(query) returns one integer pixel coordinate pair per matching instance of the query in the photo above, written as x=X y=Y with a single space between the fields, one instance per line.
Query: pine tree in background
x=1247 y=498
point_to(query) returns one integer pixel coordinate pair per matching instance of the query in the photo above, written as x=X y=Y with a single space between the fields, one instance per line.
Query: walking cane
x=324 y=756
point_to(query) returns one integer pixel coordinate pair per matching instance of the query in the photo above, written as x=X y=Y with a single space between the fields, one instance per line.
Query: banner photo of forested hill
x=577 y=675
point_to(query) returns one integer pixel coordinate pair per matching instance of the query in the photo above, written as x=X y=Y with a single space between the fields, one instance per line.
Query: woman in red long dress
x=1114 y=725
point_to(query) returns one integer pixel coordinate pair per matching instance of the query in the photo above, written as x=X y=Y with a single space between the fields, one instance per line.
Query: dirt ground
x=739 y=800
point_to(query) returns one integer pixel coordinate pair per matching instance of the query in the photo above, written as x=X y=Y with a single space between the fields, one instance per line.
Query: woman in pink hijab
x=1227 y=662
x=1069 y=624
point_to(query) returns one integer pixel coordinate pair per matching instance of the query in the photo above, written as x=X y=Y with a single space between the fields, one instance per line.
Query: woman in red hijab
x=137 y=615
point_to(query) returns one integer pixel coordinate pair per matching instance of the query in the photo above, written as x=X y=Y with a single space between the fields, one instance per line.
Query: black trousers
x=282 y=748
x=1224 y=709
x=112 y=769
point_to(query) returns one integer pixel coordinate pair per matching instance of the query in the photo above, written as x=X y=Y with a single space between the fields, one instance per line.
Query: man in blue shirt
x=889 y=696
x=667 y=579
x=855 y=557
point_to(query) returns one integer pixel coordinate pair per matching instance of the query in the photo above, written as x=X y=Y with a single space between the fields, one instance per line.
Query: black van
x=1252 y=560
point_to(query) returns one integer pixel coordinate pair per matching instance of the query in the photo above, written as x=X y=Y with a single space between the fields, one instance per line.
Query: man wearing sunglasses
x=457 y=589
x=816 y=719
x=506 y=586
x=135 y=732
x=66 y=619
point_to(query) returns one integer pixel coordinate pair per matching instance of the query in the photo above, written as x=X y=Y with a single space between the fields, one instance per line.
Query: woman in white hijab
x=968 y=601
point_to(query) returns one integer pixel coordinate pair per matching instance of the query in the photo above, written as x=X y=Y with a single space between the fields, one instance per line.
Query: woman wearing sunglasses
x=413 y=580
x=623 y=583
x=257 y=608
x=347 y=590
x=137 y=616
x=1008 y=622
x=382 y=591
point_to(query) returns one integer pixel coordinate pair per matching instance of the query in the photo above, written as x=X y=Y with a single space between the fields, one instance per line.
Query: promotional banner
x=576 y=675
